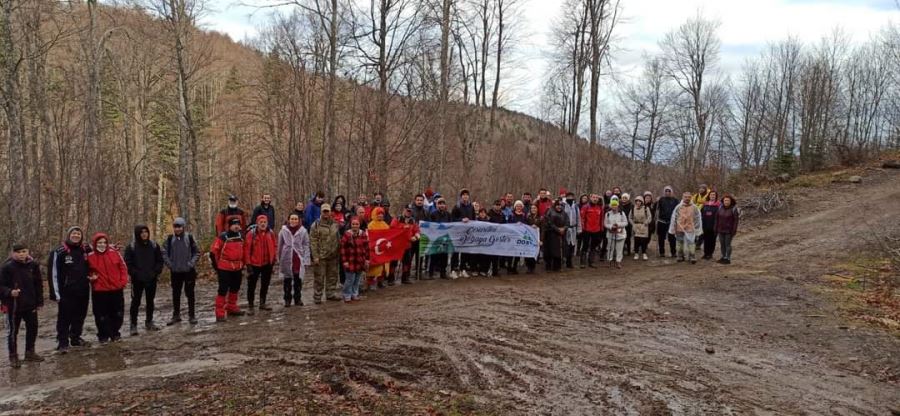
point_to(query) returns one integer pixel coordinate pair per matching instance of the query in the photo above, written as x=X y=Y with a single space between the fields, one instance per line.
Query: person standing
x=260 y=254
x=70 y=287
x=615 y=223
x=665 y=206
x=324 y=236
x=314 y=209
x=519 y=216
x=409 y=223
x=573 y=218
x=355 y=255
x=21 y=295
x=377 y=273
x=555 y=236
x=537 y=222
x=626 y=206
x=232 y=211
x=686 y=225
x=592 y=228
x=708 y=213
x=496 y=216
x=699 y=199
x=180 y=253
x=109 y=277
x=640 y=219
x=293 y=258
x=145 y=263
x=727 y=218
x=462 y=212
x=438 y=262
x=650 y=204
x=227 y=257
x=265 y=208
x=544 y=203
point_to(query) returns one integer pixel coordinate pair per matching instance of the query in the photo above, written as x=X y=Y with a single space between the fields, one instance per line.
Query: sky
x=747 y=26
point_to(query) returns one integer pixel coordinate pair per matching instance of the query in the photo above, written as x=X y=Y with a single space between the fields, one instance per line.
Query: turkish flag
x=387 y=245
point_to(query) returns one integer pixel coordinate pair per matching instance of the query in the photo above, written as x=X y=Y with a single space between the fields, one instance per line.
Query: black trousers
x=407 y=262
x=188 y=282
x=264 y=276
x=147 y=290
x=437 y=263
x=640 y=245
x=14 y=322
x=294 y=282
x=592 y=242
x=662 y=234
x=709 y=243
x=109 y=313
x=570 y=251
x=629 y=232
x=229 y=282
x=73 y=307
x=460 y=261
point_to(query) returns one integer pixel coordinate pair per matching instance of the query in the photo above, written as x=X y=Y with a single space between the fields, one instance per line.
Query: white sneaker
x=645 y=256
x=489 y=273
x=464 y=274
x=636 y=256
x=454 y=275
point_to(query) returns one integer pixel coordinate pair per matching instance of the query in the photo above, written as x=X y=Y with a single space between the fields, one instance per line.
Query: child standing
x=22 y=294
x=355 y=256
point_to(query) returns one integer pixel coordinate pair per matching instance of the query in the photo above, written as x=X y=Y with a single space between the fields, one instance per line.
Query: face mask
x=232 y=205
x=570 y=200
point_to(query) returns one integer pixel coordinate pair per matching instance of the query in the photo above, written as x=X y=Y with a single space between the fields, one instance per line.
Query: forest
x=125 y=112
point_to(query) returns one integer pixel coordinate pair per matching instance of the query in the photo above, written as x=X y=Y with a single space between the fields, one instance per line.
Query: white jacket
x=616 y=219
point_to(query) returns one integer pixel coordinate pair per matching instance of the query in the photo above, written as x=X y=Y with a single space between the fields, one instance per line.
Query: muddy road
x=654 y=338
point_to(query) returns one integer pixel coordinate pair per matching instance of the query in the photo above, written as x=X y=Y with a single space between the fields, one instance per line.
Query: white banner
x=512 y=240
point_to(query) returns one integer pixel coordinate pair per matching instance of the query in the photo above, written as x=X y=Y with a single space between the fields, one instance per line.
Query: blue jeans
x=351 y=284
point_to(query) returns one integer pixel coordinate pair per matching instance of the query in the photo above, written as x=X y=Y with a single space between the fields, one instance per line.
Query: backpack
x=192 y=245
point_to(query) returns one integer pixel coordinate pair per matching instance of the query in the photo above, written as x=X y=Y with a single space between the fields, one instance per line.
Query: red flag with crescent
x=387 y=245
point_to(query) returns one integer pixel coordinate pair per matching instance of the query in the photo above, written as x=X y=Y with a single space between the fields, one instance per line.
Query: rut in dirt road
x=654 y=338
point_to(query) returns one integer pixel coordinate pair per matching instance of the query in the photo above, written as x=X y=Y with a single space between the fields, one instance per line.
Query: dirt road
x=654 y=338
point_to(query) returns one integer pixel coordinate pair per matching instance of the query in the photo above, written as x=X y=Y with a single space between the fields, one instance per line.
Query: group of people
x=330 y=240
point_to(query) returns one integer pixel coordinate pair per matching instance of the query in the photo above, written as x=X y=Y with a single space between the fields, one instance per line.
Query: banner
x=387 y=245
x=513 y=240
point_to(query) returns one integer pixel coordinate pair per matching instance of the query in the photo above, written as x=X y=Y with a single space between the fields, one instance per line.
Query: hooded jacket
x=324 y=239
x=180 y=253
x=665 y=206
x=143 y=258
x=312 y=213
x=68 y=268
x=461 y=211
x=640 y=219
x=227 y=252
x=25 y=276
x=259 y=249
x=108 y=266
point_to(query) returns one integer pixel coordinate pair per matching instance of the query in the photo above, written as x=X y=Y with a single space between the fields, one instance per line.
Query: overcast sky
x=746 y=27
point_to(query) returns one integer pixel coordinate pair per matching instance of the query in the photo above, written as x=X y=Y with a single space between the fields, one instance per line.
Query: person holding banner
x=555 y=236
x=496 y=216
x=378 y=271
x=438 y=262
x=519 y=216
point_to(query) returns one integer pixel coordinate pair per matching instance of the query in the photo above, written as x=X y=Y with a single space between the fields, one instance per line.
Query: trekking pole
x=12 y=321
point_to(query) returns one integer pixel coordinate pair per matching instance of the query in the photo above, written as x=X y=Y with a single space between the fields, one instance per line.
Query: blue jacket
x=313 y=212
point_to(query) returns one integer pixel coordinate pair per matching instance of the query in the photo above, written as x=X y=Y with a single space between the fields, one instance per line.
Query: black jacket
x=143 y=258
x=441 y=216
x=268 y=211
x=25 y=277
x=419 y=213
x=461 y=211
x=68 y=270
x=665 y=207
x=496 y=217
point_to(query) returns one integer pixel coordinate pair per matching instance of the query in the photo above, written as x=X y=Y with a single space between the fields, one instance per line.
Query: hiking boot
x=618 y=265
x=134 y=330
x=62 y=349
x=192 y=320
x=693 y=260
x=14 y=361
x=265 y=307
x=250 y=311
x=727 y=261
x=405 y=281
x=720 y=261
x=680 y=259
x=220 y=319
x=115 y=338
x=317 y=301
x=33 y=357
x=175 y=319
x=150 y=326
x=104 y=341
x=79 y=342
x=236 y=313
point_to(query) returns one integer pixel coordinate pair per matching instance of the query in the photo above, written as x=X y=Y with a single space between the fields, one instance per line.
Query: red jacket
x=592 y=218
x=259 y=249
x=109 y=267
x=411 y=227
x=544 y=206
x=225 y=215
x=228 y=252
x=355 y=251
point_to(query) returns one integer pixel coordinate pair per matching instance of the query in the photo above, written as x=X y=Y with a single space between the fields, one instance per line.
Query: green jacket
x=323 y=238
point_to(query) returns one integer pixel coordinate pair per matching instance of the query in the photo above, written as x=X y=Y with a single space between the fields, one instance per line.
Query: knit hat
x=519 y=204
x=429 y=192
x=19 y=246
x=463 y=191
x=72 y=229
x=261 y=217
x=614 y=202
x=234 y=221
x=668 y=188
x=179 y=222
x=326 y=207
x=562 y=191
x=639 y=201
x=626 y=195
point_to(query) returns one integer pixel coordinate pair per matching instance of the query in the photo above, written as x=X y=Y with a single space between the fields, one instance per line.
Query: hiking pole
x=12 y=321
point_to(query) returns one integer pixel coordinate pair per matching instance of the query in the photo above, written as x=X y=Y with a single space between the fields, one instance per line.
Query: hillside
x=260 y=119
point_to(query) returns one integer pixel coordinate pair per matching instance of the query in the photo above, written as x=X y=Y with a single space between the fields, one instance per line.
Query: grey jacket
x=180 y=253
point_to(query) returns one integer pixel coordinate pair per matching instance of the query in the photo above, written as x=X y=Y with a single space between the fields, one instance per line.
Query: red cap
x=562 y=191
